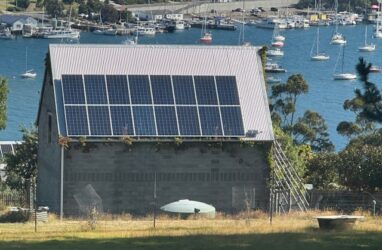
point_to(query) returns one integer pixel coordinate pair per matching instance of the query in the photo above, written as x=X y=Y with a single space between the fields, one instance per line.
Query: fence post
x=374 y=205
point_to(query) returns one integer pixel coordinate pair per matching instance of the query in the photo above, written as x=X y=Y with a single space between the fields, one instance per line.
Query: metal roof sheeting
x=242 y=62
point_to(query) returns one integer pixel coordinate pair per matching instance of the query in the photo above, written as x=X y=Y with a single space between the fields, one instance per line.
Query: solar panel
x=140 y=89
x=162 y=90
x=232 y=121
x=166 y=120
x=188 y=121
x=99 y=120
x=95 y=89
x=73 y=89
x=205 y=90
x=184 y=89
x=152 y=105
x=144 y=120
x=210 y=120
x=121 y=120
x=118 y=89
x=227 y=90
x=76 y=119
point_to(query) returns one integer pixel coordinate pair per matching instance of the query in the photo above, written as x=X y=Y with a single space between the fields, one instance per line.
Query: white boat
x=271 y=23
x=129 y=42
x=279 y=38
x=28 y=73
x=375 y=69
x=367 y=47
x=97 y=32
x=342 y=75
x=6 y=34
x=272 y=79
x=274 y=68
x=318 y=56
x=206 y=37
x=179 y=25
x=251 y=23
x=62 y=34
x=337 y=38
x=110 y=32
x=275 y=52
x=277 y=42
x=145 y=31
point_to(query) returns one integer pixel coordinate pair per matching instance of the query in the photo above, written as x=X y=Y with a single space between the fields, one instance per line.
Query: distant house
x=148 y=16
x=174 y=16
x=120 y=125
x=16 y=22
x=221 y=1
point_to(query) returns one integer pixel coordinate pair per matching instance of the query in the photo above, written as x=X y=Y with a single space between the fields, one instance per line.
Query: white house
x=174 y=16
x=16 y=22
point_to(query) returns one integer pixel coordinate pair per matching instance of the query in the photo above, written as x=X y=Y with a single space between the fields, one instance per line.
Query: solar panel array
x=152 y=105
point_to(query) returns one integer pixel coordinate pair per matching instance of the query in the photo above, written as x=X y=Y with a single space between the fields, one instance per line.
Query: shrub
x=15 y=217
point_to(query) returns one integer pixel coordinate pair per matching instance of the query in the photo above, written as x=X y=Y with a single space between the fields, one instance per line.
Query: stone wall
x=48 y=178
x=225 y=175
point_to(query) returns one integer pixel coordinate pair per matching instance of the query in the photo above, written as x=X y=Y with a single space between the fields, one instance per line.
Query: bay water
x=325 y=96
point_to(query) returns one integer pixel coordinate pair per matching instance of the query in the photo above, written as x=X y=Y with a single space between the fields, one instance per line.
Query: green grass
x=285 y=241
x=291 y=232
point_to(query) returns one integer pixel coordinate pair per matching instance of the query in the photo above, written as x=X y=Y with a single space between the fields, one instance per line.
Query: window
x=49 y=127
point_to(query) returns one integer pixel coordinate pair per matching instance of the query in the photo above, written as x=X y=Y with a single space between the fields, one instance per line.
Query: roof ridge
x=172 y=46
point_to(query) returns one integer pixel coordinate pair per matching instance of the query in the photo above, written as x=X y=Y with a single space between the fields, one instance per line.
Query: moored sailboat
x=342 y=75
x=206 y=36
x=367 y=47
x=29 y=73
x=318 y=56
x=337 y=38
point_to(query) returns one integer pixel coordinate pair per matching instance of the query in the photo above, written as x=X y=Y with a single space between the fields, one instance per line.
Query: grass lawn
x=286 y=232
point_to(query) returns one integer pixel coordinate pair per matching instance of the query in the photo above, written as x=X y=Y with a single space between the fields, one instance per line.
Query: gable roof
x=241 y=62
x=10 y=19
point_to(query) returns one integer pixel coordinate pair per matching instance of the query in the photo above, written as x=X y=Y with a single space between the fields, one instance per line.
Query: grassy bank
x=295 y=231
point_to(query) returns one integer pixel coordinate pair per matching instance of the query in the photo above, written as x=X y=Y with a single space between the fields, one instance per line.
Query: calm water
x=325 y=95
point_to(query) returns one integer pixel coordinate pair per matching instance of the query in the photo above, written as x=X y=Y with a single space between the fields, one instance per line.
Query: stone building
x=120 y=125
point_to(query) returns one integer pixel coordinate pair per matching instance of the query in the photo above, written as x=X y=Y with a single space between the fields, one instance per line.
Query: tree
x=109 y=14
x=343 y=5
x=298 y=155
x=285 y=98
x=21 y=167
x=23 y=4
x=322 y=170
x=94 y=6
x=263 y=57
x=361 y=167
x=54 y=8
x=367 y=105
x=311 y=129
x=3 y=102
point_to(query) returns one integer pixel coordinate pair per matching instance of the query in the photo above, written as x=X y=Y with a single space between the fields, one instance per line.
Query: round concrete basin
x=338 y=222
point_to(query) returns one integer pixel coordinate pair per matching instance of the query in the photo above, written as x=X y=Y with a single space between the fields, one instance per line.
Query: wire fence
x=16 y=199
x=346 y=201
